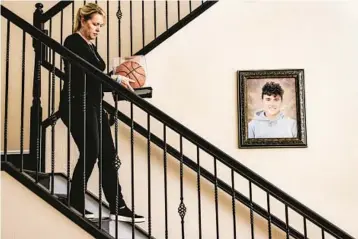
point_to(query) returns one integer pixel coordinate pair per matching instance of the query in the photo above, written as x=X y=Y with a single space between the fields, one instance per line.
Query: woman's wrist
x=117 y=78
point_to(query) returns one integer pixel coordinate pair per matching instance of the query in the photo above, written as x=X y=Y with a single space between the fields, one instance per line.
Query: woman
x=88 y=23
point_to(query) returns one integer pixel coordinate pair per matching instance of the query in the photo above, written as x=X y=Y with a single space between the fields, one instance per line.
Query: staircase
x=43 y=178
x=60 y=192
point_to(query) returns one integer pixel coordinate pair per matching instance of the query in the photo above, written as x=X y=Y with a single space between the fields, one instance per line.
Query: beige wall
x=25 y=215
x=236 y=35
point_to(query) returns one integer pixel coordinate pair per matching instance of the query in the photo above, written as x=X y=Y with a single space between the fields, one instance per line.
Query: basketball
x=133 y=70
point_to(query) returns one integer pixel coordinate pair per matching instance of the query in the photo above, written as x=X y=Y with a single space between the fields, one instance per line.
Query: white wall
x=193 y=75
x=25 y=215
x=194 y=79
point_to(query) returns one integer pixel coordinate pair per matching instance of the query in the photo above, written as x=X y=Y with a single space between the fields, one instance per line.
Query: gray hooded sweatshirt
x=281 y=127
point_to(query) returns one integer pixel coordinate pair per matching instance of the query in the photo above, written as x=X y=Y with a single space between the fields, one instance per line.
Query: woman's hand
x=125 y=81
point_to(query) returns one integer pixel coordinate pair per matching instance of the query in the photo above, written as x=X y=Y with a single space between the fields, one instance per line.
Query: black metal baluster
x=155 y=19
x=49 y=74
x=107 y=36
x=287 y=223
x=199 y=193
x=143 y=27
x=53 y=126
x=49 y=90
x=132 y=168
x=37 y=109
x=6 y=89
x=84 y=2
x=73 y=14
x=165 y=181
x=166 y=15
x=233 y=201
x=96 y=37
x=100 y=161
x=251 y=212
x=119 y=16
x=182 y=208
x=323 y=235
x=118 y=162
x=305 y=227
x=51 y=99
x=269 y=221
x=61 y=41
x=178 y=10
x=69 y=134
x=149 y=180
x=216 y=198
x=190 y=6
x=131 y=24
x=22 y=100
x=84 y=101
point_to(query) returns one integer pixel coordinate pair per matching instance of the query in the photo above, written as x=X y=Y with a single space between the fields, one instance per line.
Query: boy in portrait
x=270 y=122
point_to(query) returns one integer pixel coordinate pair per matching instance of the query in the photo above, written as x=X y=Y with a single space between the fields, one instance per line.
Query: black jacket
x=79 y=46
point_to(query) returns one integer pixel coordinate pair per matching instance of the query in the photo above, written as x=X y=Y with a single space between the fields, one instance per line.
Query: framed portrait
x=271 y=108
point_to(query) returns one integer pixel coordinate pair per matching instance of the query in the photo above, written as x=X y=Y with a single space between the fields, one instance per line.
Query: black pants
x=92 y=150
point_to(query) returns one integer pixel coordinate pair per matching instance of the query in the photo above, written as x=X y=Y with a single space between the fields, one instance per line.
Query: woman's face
x=92 y=27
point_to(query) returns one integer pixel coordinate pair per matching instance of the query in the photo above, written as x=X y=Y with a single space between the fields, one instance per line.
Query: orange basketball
x=133 y=70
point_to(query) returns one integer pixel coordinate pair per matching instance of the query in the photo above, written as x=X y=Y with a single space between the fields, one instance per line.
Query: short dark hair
x=272 y=88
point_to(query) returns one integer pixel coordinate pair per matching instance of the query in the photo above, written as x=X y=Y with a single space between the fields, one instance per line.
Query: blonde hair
x=86 y=12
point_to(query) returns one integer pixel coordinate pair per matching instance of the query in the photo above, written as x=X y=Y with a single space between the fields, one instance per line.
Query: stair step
x=124 y=228
x=108 y=225
x=63 y=199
